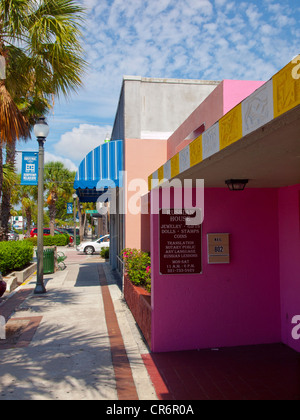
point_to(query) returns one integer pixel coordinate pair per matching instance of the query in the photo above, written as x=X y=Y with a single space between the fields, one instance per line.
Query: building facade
x=248 y=290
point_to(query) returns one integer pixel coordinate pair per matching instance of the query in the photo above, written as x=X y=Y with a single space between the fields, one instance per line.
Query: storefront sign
x=180 y=243
x=218 y=248
x=29 y=168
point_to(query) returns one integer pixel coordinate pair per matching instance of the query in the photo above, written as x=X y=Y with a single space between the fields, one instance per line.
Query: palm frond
x=13 y=17
x=13 y=125
x=55 y=45
x=9 y=176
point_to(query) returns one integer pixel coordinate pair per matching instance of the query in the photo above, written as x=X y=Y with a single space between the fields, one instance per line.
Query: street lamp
x=236 y=184
x=74 y=208
x=41 y=131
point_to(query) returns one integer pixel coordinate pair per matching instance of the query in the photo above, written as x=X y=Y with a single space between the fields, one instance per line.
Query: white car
x=13 y=235
x=94 y=246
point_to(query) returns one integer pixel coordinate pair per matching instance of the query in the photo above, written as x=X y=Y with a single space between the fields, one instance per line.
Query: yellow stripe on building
x=150 y=182
x=175 y=166
x=196 y=151
x=286 y=88
x=231 y=127
x=160 y=174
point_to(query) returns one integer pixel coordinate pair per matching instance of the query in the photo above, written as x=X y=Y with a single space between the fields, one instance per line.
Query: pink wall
x=235 y=91
x=229 y=304
x=289 y=240
x=226 y=96
x=210 y=111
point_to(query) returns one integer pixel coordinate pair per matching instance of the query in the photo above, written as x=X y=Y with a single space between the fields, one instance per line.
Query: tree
x=25 y=195
x=40 y=45
x=58 y=184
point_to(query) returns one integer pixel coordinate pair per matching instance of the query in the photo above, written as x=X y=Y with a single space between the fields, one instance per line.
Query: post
x=40 y=287
x=74 y=209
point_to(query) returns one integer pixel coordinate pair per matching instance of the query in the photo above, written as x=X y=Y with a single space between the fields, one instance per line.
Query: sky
x=186 y=39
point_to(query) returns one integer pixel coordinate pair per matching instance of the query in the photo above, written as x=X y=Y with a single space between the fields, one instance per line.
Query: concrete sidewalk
x=67 y=344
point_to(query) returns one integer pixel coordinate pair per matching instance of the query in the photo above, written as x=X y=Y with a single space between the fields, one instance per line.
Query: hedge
x=15 y=256
x=56 y=240
x=104 y=253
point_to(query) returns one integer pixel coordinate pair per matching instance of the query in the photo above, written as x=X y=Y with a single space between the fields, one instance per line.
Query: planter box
x=139 y=303
x=24 y=274
x=17 y=278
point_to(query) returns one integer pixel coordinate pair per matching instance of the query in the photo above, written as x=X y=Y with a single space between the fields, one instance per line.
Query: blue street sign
x=29 y=168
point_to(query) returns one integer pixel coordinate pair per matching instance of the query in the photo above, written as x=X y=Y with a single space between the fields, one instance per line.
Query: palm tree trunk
x=6 y=194
x=1 y=183
x=28 y=219
x=52 y=214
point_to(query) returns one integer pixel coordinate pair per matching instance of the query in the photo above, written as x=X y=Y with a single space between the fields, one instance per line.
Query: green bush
x=138 y=267
x=15 y=256
x=104 y=253
x=56 y=240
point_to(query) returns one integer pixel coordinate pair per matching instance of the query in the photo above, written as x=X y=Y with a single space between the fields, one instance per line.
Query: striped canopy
x=99 y=170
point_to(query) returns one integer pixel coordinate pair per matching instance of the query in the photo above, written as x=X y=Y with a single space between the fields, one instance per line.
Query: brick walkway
x=125 y=384
x=8 y=307
x=267 y=372
x=58 y=355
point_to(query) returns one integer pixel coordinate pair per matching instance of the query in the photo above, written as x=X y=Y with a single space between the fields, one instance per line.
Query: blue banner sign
x=29 y=168
x=69 y=208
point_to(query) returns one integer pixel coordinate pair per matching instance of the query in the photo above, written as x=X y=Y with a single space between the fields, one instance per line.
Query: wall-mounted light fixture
x=236 y=184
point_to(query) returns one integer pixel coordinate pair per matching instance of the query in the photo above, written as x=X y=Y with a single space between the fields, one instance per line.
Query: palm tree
x=40 y=43
x=59 y=184
x=9 y=180
x=26 y=195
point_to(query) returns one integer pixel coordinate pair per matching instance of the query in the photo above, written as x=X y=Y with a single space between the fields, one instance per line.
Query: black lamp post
x=41 y=131
x=74 y=209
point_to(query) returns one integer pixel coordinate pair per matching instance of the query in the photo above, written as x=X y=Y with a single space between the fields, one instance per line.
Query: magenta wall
x=289 y=242
x=228 y=305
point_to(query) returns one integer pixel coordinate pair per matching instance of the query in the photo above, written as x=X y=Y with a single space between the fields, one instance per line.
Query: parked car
x=33 y=232
x=94 y=246
x=70 y=231
x=65 y=232
x=13 y=235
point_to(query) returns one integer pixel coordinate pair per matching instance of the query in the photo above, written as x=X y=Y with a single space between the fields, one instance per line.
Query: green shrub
x=104 y=253
x=56 y=240
x=138 y=267
x=15 y=256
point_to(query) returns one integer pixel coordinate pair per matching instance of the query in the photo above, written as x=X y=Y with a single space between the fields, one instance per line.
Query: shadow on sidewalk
x=89 y=277
x=61 y=362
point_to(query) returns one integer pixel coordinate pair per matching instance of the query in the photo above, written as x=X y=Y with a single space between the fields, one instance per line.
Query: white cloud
x=198 y=39
x=77 y=143
x=142 y=37
x=49 y=157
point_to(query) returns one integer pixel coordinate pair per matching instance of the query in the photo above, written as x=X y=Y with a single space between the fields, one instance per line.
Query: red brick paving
x=125 y=384
x=266 y=372
x=31 y=325
x=8 y=307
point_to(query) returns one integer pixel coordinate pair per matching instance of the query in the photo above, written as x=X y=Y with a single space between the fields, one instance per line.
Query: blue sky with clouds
x=193 y=39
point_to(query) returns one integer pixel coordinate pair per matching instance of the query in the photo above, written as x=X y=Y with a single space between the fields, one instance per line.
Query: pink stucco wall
x=289 y=240
x=235 y=91
x=226 y=96
x=228 y=304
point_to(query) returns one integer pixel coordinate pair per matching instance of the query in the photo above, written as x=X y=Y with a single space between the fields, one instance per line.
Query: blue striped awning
x=99 y=170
